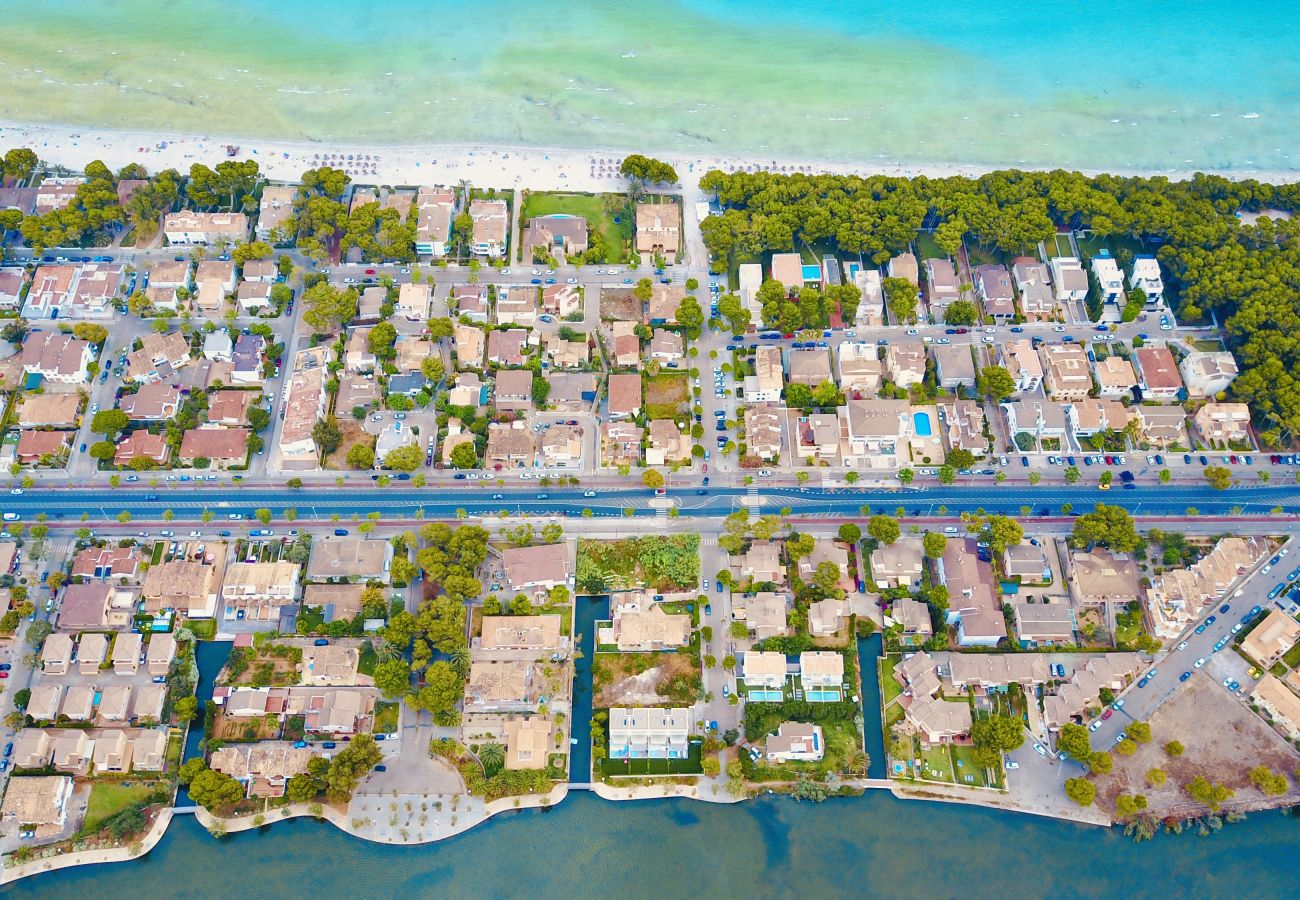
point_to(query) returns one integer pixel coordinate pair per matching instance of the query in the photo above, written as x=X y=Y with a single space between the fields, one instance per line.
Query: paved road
x=187 y=502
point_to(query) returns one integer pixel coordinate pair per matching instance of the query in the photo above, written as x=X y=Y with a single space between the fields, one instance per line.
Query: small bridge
x=579 y=786
x=185 y=810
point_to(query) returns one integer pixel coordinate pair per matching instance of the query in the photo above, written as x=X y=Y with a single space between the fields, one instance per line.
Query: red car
x=787 y=336
x=4 y=674
x=1107 y=714
x=370 y=271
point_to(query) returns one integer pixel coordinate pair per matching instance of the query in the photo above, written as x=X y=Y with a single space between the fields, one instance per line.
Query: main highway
x=398 y=500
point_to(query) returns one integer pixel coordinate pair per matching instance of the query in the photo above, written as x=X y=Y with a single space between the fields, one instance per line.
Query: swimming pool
x=759 y=696
x=921 y=422
x=828 y=695
x=812 y=273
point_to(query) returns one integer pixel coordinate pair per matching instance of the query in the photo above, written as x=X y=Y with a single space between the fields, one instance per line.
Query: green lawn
x=890 y=689
x=204 y=629
x=688 y=766
x=174 y=749
x=592 y=208
x=107 y=799
x=1292 y=657
x=368 y=659
x=968 y=767
x=1059 y=245
x=385 y=717
x=937 y=764
x=926 y=248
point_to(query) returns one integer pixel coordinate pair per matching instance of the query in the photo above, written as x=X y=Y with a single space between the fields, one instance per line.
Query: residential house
x=97 y=604
x=1157 y=373
x=941 y=283
x=833 y=552
x=94 y=292
x=471 y=302
x=827 y=617
x=651 y=732
x=643 y=627
x=514 y=390
x=561 y=300
x=871 y=308
x=1026 y=563
x=561 y=446
x=1145 y=276
x=105 y=562
x=1110 y=281
x=861 y=371
x=491 y=226
x=1043 y=624
x=1040 y=418
x=810 y=367
x=72 y=750
x=1020 y=359
x=49 y=410
x=127 y=653
x=993 y=286
x=1115 y=377
x=160 y=654
x=787 y=268
x=502 y=685
x=624 y=395
x=763 y=432
x=1178 y=597
x=275 y=212
x=935 y=719
x=914 y=616
x=620 y=444
x=1163 y=426
x=142 y=445
x=40 y=801
x=42 y=447
x=469 y=346
x=568 y=355
x=155 y=401
x=456 y=435
x=333 y=665
x=1082 y=690
x=92 y=652
x=666 y=346
x=13 y=281
x=818 y=437
x=1268 y=641
x=821 y=675
x=540 y=634
x=254 y=297
x=795 y=741
x=508 y=347
x=434 y=210
x=222 y=447
x=79 y=702
x=170 y=274
x=768 y=380
x=904 y=266
x=348 y=557
x=963 y=422
x=47 y=698
x=627 y=350
x=50 y=292
x=149 y=748
x=246 y=359
x=765 y=613
x=905 y=363
x=1207 y=374
x=668 y=444
x=1270 y=695
x=260 y=588
x=357 y=355
x=305 y=401
x=661 y=308
x=749 y=279
x=764 y=670
x=1089 y=416
x=230 y=407
x=370 y=307
x=263 y=271
x=189 y=227
x=56 y=654
x=56 y=193
x=1067 y=375
x=57 y=357
x=1223 y=424
x=658 y=228
x=411 y=352
x=264 y=768
x=220 y=271
x=159 y=356
x=516 y=307
x=467 y=390
x=510 y=446
x=1099 y=577
x=760 y=564
x=900 y=564
x=565 y=233
x=1034 y=284
x=537 y=568
x=218 y=347
x=972 y=596
x=954 y=366
x=876 y=434
x=528 y=742
x=393 y=436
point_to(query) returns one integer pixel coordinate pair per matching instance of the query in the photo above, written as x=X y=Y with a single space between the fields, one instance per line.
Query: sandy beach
x=502 y=167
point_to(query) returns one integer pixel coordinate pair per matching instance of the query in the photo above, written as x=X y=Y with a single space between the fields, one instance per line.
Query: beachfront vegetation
x=1248 y=275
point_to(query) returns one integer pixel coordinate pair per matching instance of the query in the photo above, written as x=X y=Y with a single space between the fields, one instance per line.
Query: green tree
x=393 y=677
x=1099 y=762
x=1156 y=777
x=493 y=757
x=995 y=382
x=1206 y=792
x=884 y=529
x=464 y=456
x=327 y=308
x=960 y=312
x=442 y=689
x=186 y=708
x=1218 y=477
x=263 y=515
x=1109 y=526
x=1080 y=790
x=647 y=170
x=850 y=533
x=1126 y=747
x=1269 y=783
x=109 y=421
x=327 y=435
x=214 y=790
x=1174 y=749
x=361 y=456
x=404 y=459
x=1139 y=731
x=934 y=544
x=652 y=478
x=1074 y=740
x=947 y=474
x=901 y=295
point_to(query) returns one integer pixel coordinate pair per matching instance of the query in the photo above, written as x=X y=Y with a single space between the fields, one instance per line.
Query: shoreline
x=483 y=164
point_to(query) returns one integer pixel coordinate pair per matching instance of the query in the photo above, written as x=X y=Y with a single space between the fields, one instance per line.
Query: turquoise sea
x=1157 y=84
x=873 y=847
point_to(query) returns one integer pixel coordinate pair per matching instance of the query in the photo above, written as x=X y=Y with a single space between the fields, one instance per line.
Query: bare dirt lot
x=618 y=305
x=353 y=434
x=1223 y=741
x=634 y=679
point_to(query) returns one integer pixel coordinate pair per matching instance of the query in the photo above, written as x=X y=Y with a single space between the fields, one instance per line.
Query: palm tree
x=460 y=660
x=493 y=758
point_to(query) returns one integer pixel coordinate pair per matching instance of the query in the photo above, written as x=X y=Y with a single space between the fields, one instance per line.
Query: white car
x=943 y=341
x=571 y=281
x=1199 y=663
x=1183 y=645
x=765 y=473
x=1040 y=750
x=1059 y=329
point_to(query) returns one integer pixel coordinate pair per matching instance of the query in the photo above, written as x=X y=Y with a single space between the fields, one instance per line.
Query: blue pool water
x=921 y=421
x=812 y=273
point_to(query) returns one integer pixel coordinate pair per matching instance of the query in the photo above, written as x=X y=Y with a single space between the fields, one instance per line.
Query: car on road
x=708 y=607
x=1199 y=663
x=1236 y=628
x=1225 y=607
x=1040 y=750
x=1183 y=645
x=1142 y=682
x=726 y=690
x=1096 y=723
x=1119 y=738
x=1184 y=676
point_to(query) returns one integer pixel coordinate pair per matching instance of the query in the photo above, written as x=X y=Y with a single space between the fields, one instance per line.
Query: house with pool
x=889 y=434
